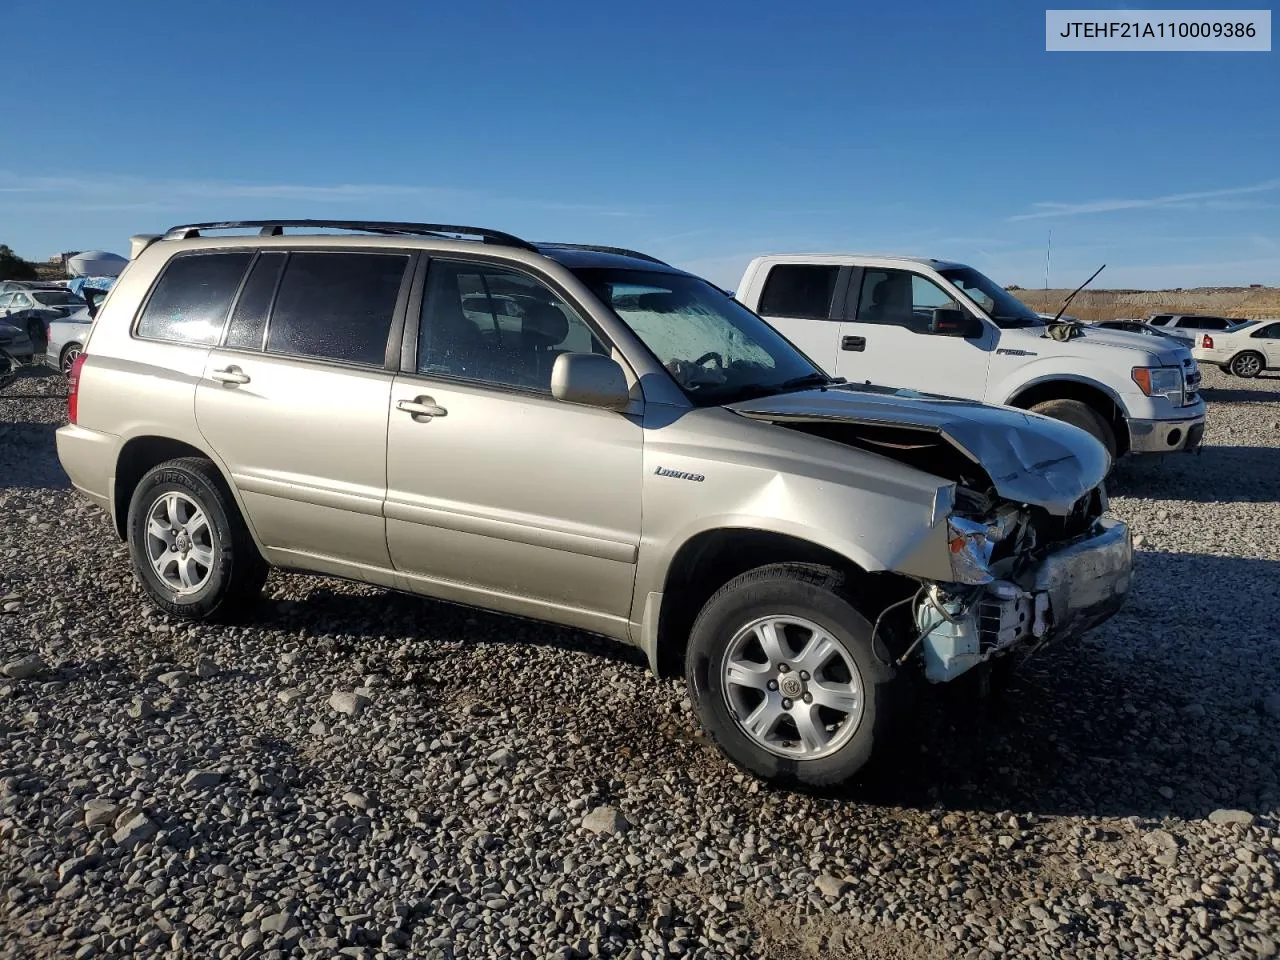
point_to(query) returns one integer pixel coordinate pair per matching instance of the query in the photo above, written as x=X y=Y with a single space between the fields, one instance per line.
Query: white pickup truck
x=945 y=328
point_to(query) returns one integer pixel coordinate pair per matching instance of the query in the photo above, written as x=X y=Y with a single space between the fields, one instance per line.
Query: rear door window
x=190 y=301
x=336 y=306
x=799 y=290
x=249 y=319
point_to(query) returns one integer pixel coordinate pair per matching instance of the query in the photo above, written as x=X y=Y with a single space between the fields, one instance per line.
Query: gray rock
x=349 y=702
x=100 y=813
x=206 y=668
x=137 y=830
x=287 y=696
x=357 y=800
x=201 y=779
x=503 y=757
x=1243 y=817
x=830 y=886
x=277 y=923
x=140 y=709
x=24 y=668
x=175 y=679
x=605 y=820
x=73 y=867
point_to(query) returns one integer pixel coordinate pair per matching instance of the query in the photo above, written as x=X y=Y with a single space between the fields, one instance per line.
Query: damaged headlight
x=972 y=542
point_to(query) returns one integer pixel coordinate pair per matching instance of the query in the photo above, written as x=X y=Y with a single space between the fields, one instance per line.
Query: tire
x=227 y=573
x=1225 y=368
x=1080 y=415
x=789 y=596
x=1248 y=364
x=68 y=357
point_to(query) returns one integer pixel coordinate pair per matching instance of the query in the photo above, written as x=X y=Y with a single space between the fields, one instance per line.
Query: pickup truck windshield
x=714 y=347
x=1005 y=309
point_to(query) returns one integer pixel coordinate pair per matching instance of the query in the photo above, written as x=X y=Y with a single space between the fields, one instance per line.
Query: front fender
x=1050 y=370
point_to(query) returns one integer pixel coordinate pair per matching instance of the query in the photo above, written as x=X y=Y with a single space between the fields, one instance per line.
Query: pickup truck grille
x=1191 y=373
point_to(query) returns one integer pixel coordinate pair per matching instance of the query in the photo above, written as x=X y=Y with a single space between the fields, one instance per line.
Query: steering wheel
x=710 y=355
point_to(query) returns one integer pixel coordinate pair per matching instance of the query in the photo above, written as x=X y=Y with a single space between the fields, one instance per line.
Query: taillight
x=73 y=386
x=1207 y=342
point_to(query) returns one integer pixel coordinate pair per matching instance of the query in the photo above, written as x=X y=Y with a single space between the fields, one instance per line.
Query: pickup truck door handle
x=853 y=343
x=229 y=375
x=421 y=407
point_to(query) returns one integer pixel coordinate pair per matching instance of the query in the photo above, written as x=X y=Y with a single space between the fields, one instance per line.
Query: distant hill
x=1250 y=303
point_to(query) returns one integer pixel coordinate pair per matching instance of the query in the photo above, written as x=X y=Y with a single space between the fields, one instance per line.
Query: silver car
x=586 y=436
x=66 y=339
x=33 y=309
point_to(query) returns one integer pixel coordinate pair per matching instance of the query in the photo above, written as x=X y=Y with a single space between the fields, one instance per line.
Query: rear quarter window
x=190 y=301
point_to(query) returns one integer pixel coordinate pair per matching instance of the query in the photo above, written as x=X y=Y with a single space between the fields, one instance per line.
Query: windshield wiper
x=810 y=380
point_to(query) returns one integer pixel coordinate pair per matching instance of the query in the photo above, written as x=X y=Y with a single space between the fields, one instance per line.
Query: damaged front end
x=1031 y=553
x=1022 y=577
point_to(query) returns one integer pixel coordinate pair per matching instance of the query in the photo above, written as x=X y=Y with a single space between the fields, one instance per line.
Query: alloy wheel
x=792 y=687
x=179 y=543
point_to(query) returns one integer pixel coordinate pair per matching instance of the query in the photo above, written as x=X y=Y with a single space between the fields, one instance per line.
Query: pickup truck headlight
x=1159 y=381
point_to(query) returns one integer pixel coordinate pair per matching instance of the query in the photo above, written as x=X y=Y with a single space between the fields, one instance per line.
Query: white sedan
x=1244 y=350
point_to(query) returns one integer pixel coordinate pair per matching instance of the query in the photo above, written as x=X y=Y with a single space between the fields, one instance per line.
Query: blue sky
x=702 y=133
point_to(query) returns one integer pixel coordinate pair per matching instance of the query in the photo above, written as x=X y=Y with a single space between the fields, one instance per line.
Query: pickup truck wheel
x=1083 y=416
x=1248 y=364
x=781 y=669
x=191 y=550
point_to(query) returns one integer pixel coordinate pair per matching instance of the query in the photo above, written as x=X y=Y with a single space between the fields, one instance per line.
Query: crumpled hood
x=1029 y=458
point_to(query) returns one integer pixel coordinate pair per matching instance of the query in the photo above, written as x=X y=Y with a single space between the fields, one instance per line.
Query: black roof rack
x=275 y=228
x=620 y=251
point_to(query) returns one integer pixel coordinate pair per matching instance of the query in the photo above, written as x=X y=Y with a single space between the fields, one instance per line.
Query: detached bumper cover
x=1088 y=581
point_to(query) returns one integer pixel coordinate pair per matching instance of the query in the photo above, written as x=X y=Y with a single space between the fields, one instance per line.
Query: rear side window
x=799 y=290
x=1161 y=320
x=336 y=306
x=249 y=319
x=191 y=299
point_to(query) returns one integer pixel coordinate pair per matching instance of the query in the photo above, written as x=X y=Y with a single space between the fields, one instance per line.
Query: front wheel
x=1248 y=364
x=1081 y=415
x=781 y=669
x=190 y=548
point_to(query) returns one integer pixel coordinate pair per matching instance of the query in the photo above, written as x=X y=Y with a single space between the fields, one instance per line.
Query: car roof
x=853 y=259
x=575 y=256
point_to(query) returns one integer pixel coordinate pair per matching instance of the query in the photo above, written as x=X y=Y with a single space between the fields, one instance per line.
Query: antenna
x=1047 y=247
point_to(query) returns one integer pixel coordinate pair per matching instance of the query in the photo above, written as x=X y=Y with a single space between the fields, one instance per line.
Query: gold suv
x=588 y=436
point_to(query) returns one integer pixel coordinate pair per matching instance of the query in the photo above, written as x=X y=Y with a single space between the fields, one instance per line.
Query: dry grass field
x=1251 y=303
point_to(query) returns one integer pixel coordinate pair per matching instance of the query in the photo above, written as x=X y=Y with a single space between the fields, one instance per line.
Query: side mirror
x=950 y=322
x=590 y=379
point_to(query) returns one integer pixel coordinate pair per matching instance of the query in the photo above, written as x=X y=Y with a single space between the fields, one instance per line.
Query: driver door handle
x=857 y=344
x=421 y=407
x=229 y=375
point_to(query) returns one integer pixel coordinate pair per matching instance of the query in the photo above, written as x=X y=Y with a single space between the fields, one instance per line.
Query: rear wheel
x=190 y=547
x=1248 y=364
x=69 y=354
x=1080 y=415
x=781 y=669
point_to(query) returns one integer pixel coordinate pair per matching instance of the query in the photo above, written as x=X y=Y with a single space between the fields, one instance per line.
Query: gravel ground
x=504 y=788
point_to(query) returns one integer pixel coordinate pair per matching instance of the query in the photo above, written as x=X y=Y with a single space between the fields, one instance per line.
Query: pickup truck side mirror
x=590 y=379
x=950 y=322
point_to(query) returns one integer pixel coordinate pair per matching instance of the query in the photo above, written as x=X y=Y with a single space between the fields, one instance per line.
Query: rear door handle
x=421 y=407
x=230 y=375
x=857 y=344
